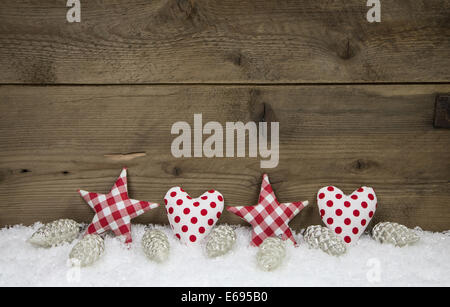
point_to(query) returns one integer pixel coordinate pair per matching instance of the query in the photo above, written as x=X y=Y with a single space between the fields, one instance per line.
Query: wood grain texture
x=204 y=41
x=55 y=140
x=442 y=112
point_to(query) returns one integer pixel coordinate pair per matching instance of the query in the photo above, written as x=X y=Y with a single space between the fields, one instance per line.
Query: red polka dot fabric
x=192 y=219
x=348 y=216
x=269 y=218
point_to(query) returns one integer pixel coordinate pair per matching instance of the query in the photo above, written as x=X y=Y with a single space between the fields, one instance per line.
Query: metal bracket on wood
x=442 y=112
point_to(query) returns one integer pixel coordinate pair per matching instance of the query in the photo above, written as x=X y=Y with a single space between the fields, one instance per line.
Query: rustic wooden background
x=355 y=102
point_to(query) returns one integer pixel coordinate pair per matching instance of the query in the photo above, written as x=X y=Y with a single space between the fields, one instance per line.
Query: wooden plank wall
x=355 y=102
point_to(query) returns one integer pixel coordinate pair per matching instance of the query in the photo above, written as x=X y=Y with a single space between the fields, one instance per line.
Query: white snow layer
x=367 y=263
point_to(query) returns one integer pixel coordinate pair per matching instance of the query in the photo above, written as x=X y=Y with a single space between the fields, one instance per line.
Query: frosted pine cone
x=220 y=241
x=325 y=239
x=393 y=233
x=156 y=245
x=54 y=233
x=271 y=253
x=88 y=250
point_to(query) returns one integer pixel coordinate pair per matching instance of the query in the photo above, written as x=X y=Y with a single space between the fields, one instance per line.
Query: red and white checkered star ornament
x=269 y=218
x=115 y=210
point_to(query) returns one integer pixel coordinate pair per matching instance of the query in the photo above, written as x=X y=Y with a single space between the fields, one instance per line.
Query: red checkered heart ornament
x=192 y=219
x=348 y=216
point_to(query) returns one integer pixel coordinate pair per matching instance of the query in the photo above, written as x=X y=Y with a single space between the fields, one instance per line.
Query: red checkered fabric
x=269 y=218
x=115 y=210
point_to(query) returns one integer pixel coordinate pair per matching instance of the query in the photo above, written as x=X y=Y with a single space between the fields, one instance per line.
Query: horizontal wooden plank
x=55 y=140
x=201 y=41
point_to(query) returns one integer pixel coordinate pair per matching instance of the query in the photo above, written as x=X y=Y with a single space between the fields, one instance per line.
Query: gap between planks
x=243 y=84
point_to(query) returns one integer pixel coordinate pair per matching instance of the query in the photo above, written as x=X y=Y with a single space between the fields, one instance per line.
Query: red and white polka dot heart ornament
x=348 y=216
x=191 y=219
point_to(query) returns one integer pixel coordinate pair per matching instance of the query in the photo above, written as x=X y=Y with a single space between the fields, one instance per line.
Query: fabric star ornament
x=115 y=210
x=269 y=218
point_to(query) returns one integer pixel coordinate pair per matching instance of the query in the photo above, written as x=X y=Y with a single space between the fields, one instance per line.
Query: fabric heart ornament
x=192 y=219
x=348 y=216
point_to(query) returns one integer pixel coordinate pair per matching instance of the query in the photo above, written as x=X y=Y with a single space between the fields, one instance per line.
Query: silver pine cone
x=393 y=233
x=321 y=237
x=271 y=253
x=156 y=245
x=54 y=233
x=220 y=241
x=88 y=250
